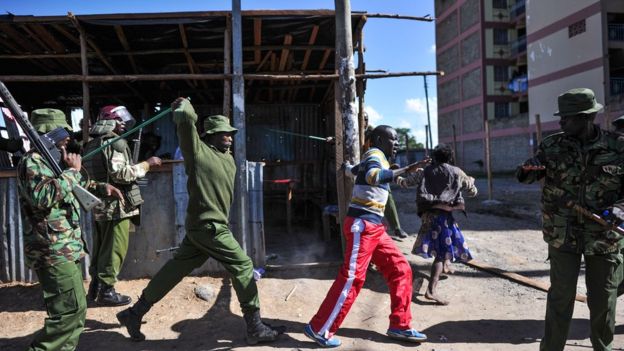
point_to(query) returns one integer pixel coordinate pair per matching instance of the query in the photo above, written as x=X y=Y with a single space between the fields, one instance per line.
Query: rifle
x=46 y=148
x=136 y=147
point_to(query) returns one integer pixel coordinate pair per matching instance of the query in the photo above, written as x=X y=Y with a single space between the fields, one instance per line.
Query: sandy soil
x=486 y=312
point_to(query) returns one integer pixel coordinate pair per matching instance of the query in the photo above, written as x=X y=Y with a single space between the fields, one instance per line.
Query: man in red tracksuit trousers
x=365 y=240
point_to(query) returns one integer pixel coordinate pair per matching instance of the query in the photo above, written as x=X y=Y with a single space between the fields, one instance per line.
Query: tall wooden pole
x=428 y=114
x=347 y=138
x=86 y=97
x=488 y=158
x=238 y=110
x=455 y=145
x=426 y=140
x=538 y=128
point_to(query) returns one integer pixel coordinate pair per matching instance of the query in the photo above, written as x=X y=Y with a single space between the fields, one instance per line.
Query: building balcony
x=617 y=87
x=519 y=85
x=616 y=32
x=519 y=46
x=517 y=10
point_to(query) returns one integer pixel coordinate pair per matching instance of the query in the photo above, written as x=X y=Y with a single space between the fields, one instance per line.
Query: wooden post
x=238 y=109
x=488 y=159
x=86 y=98
x=407 y=158
x=227 y=67
x=428 y=115
x=455 y=145
x=538 y=129
x=347 y=139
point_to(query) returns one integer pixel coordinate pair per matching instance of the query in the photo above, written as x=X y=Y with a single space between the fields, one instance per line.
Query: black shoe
x=132 y=318
x=257 y=331
x=109 y=297
x=94 y=289
x=399 y=233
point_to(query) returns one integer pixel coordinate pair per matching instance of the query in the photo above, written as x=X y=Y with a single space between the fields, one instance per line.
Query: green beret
x=218 y=123
x=48 y=119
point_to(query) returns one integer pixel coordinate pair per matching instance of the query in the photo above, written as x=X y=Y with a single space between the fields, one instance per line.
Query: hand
x=533 y=164
x=611 y=218
x=154 y=161
x=330 y=140
x=414 y=167
x=395 y=166
x=73 y=161
x=114 y=192
x=402 y=182
x=347 y=168
x=177 y=103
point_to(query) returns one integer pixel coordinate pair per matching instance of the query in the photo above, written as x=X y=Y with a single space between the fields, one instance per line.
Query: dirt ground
x=486 y=312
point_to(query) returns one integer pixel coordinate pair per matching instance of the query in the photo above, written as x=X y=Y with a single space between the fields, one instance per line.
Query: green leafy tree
x=411 y=140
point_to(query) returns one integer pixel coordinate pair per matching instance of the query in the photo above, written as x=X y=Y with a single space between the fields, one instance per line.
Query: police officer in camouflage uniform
x=53 y=242
x=211 y=169
x=112 y=219
x=584 y=165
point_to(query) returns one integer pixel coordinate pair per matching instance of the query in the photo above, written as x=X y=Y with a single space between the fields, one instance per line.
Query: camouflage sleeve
x=530 y=176
x=185 y=118
x=41 y=186
x=120 y=170
x=97 y=188
x=467 y=184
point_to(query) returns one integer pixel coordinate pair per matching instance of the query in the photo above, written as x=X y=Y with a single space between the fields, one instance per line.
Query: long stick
x=106 y=144
x=297 y=134
x=517 y=277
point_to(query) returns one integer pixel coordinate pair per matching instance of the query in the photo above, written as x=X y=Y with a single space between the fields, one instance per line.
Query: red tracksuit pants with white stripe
x=366 y=242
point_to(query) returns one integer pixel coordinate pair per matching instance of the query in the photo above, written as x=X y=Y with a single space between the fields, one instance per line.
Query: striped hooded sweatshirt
x=370 y=192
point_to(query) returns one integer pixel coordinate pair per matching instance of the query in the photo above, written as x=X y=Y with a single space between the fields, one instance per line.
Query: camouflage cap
x=619 y=120
x=577 y=101
x=218 y=123
x=48 y=119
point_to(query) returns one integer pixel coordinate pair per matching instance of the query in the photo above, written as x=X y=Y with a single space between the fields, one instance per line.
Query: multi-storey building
x=481 y=46
x=575 y=43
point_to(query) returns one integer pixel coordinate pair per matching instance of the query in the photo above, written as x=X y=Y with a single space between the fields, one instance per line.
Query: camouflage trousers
x=110 y=246
x=215 y=242
x=66 y=304
x=603 y=274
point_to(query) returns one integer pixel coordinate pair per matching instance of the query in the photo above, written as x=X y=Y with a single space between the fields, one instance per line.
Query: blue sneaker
x=323 y=342
x=411 y=335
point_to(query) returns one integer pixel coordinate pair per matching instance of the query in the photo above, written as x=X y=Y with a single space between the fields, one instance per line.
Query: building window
x=499 y=4
x=501 y=36
x=501 y=109
x=576 y=28
x=501 y=73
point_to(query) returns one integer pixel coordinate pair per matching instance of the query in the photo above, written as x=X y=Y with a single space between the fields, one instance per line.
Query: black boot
x=131 y=318
x=257 y=331
x=94 y=289
x=107 y=296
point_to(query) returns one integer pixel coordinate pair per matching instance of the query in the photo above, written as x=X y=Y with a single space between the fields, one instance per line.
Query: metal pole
x=238 y=110
x=86 y=97
x=428 y=115
x=347 y=142
x=426 y=140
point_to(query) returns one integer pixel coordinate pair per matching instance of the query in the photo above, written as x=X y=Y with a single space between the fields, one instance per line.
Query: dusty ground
x=486 y=312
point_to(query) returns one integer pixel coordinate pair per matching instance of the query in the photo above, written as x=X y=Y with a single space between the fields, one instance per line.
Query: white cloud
x=417 y=110
x=374 y=117
x=432 y=49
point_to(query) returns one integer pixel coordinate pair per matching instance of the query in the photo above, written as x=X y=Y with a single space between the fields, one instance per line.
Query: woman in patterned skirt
x=439 y=192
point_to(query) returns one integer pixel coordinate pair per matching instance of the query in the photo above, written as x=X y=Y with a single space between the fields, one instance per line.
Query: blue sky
x=392 y=45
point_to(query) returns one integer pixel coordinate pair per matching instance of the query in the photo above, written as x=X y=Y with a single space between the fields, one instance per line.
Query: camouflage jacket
x=590 y=175
x=51 y=213
x=121 y=173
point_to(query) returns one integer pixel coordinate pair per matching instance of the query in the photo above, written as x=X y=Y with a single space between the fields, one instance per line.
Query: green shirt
x=210 y=173
x=51 y=212
x=590 y=175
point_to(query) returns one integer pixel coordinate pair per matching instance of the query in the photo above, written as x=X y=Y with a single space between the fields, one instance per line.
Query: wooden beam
x=86 y=98
x=67 y=35
x=23 y=45
x=227 y=67
x=124 y=43
x=257 y=39
x=99 y=53
x=29 y=56
x=413 y=18
x=324 y=60
x=284 y=55
x=48 y=43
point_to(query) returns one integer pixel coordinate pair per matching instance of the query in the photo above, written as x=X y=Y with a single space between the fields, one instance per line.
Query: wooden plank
x=518 y=278
x=86 y=98
x=322 y=64
x=257 y=39
x=227 y=67
x=124 y=43
x=45 y=41
x=284 y=55
x=308 y=52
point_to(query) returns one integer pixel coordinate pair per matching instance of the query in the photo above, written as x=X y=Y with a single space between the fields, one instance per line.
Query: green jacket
x=210 y=174
x=51 y=213
x=591 y=176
